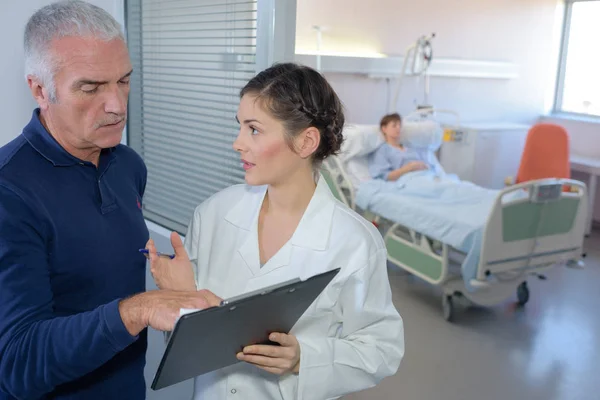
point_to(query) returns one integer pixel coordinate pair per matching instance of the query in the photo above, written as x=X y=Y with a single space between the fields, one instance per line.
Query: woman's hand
x=277 y=360
x=416 y=166
x=405 y=169
x=175 y=274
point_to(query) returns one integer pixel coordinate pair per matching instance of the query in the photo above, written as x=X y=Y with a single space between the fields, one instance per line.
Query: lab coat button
x=233 y=391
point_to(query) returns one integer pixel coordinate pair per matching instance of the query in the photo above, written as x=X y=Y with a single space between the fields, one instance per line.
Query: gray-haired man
x=72 y=324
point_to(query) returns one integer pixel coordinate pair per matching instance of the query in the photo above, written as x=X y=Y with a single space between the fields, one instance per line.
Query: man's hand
x=277 y=360
x=160 y=309
x=175 y=274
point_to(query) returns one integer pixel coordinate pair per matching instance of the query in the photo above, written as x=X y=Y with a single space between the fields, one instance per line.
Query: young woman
x=283 y=224
x=392 y=160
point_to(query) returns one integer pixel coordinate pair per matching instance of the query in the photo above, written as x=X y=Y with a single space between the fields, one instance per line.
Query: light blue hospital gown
x=388 y=158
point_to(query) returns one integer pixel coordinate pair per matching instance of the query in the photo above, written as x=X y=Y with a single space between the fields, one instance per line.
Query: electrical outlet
x=459 y=136
x=453 y=135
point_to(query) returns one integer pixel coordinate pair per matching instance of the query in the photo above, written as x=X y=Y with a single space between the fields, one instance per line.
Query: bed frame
x=521 y=238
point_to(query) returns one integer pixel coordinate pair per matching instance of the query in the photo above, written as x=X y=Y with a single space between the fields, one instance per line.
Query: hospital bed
x=482 y=248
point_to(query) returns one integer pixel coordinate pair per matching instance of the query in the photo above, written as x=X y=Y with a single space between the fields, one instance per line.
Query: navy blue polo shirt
x=69 y=240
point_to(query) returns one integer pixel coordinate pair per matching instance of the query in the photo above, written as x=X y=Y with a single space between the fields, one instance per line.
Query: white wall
x=585 y=141
x=16 y=103
x=526 y=33
x=585 y=135
x=521 y=32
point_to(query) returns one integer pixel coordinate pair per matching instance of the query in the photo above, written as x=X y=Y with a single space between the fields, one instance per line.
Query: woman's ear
x=308 y=142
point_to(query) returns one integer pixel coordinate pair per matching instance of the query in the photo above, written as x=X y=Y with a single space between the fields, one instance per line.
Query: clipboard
x=207 y=340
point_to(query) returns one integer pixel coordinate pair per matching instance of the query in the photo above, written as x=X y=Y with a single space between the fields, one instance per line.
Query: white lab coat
x=350 y=338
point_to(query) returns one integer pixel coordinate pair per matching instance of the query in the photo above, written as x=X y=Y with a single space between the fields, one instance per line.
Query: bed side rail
x=338 y=181
x=533 y=225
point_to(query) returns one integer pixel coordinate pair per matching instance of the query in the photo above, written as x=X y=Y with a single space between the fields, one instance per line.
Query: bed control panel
x=544 y=193
x=454 y=135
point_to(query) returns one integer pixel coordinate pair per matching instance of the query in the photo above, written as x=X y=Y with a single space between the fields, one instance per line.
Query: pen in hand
x=145 y=251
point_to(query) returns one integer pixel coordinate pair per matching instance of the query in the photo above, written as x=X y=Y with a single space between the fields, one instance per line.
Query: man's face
x=92 y=88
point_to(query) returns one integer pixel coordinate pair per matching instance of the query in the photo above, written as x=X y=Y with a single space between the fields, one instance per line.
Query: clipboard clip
x=260 y=292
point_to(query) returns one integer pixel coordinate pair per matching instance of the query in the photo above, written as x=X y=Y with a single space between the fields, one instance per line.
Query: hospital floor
x=549 y=349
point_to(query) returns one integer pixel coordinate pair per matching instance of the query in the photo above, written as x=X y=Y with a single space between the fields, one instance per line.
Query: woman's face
x=266 y=156
x=392 y=131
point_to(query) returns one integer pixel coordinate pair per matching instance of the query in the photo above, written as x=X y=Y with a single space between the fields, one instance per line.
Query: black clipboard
x=208 y=340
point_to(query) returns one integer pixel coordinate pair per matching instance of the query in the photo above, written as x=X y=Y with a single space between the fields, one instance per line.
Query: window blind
x=190 y=60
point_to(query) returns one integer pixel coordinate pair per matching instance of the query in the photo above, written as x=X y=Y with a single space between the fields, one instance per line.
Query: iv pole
x=319 y=42
x=420 y=54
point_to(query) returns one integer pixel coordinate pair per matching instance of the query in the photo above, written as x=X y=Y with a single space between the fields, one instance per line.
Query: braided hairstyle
x=300 y=98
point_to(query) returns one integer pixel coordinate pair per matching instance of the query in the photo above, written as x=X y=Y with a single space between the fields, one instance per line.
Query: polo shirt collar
x=44 y=143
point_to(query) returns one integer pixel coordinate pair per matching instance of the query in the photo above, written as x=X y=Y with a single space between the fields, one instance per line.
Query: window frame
x=275 y=35
x=557 y=108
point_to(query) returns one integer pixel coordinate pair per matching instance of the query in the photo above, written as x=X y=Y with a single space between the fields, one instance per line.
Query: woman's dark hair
x=389 y=118
x=300 y=98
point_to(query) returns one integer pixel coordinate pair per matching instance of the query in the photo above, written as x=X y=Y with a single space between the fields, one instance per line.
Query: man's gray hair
x=64 y=18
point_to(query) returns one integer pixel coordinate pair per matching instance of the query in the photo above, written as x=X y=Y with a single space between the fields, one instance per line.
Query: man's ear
x=308 y=142
x=39 y=92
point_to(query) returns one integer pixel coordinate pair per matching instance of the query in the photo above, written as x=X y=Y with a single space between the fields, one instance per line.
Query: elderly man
x=73 y=311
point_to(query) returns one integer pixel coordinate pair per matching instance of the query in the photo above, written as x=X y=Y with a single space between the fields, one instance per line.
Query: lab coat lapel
x=280 y=259
x=249 y=252
x=312 y=232
x=315 y=226
x=245 y=216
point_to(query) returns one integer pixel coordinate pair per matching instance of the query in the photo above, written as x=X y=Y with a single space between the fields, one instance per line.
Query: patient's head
x=390 y=127
x=291 y=119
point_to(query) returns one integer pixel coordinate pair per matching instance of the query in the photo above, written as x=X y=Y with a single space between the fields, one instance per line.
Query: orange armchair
x=545 y=155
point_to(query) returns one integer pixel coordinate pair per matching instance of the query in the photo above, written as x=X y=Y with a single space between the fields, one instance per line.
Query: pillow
x=357 y=170
x=360 y=140
x=425 y=134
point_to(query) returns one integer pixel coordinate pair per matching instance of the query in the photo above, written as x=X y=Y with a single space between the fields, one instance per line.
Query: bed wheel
x=523 y=293
x=447 y=307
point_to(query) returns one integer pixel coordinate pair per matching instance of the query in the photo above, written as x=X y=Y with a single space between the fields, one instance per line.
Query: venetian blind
x=190 y=60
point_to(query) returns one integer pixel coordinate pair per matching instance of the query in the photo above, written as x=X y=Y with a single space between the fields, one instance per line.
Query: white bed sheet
x=444 y=208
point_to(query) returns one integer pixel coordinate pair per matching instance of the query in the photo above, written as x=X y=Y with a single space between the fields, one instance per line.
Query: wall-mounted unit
x=389 y=66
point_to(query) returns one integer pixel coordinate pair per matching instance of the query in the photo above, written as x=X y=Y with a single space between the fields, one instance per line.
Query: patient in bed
x=392 y=160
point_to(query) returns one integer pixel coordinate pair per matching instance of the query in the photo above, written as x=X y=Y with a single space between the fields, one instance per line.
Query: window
x=190 y=60
x=578 y=89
